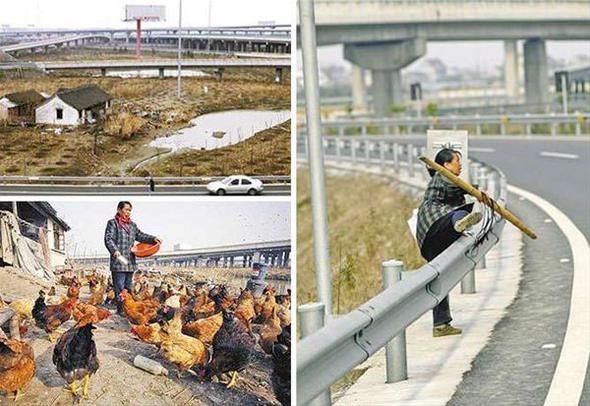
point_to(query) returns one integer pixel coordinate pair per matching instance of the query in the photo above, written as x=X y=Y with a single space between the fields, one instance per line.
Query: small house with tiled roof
x=20 y=105
x=80 y=105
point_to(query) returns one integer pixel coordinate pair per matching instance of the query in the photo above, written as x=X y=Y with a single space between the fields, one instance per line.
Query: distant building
x=20 y=105
x=76 y=106
x=43 y=229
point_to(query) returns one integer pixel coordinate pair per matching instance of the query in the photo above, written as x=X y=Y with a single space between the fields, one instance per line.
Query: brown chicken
x=110 y=296
x=148 y=334
x=204 y=329
x=204 y=306
x=182 y=350
x=268 y=306
x=17 y=365
x=97 y=293
x=83 y=309
x=270 y=331
x=138 y=312
x=284 y=316
x=51 y=317
x=74 y=291
x=245 y=310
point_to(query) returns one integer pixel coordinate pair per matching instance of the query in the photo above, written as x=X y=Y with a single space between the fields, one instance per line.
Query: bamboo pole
x=482 y=197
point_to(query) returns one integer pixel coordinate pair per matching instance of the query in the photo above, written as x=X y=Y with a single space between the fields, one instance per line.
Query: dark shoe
x=468 y=221
x=445 y=330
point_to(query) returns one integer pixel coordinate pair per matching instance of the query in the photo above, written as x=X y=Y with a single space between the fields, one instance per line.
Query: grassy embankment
x=145 y=109
x=367 y=225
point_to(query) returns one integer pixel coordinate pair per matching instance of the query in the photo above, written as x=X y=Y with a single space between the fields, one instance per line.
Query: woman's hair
x=121 y=205
x=443 y=156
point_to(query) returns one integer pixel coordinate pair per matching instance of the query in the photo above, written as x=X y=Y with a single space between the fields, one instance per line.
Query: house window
x=58 y=240
x=60 y=113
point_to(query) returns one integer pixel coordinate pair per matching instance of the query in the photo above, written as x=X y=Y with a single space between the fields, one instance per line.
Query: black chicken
x=39 y=311
x=232 y=349
x=75 y=356
x=281 y=374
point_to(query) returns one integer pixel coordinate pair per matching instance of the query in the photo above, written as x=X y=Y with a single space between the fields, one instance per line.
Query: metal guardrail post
x=396 y=148
x=411 y=160
x=396 y=363
x=578 y=128
x=338 y=152
x=382 y=154
x=367 y=151
x=341 y=131
x=311 y=319
x=363 y=130
x=353 y=149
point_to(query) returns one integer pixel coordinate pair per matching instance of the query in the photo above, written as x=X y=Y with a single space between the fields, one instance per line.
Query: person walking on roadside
x=119 y=236
x=442 y=218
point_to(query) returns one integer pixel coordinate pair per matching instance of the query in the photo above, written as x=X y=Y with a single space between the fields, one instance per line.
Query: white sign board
x=453 y=139
x=145 y=13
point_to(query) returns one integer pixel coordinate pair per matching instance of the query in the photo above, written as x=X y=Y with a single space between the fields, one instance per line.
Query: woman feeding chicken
x=119 y=237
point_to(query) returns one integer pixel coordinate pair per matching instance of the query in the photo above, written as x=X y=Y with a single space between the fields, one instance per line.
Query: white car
x=238 y=184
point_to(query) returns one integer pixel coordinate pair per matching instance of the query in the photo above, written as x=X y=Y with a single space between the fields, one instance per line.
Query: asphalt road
x=43 y=190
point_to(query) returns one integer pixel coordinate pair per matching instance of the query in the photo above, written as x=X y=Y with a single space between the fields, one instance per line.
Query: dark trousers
x=440 y=236
x=122 y=280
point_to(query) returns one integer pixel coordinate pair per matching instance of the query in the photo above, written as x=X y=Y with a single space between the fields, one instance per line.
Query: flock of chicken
x=207 y=331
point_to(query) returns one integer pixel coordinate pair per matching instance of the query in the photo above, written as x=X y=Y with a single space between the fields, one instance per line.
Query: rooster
x=281 y=374
x=17 y=365
x=232 y=350
x=49 y=318
x=75 y=356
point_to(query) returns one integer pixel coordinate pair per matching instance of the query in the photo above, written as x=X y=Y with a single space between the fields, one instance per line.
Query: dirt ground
x=144 y=109
x=118 y=382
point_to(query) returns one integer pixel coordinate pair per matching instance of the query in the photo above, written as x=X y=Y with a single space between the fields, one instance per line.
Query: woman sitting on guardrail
x=442 y=218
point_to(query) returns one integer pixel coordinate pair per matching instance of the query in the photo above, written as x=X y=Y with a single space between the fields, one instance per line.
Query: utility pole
x=316 y=155
x=179 y=46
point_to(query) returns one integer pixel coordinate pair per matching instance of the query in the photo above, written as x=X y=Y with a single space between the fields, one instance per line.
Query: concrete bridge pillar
x=385 y=60
x=511 y=68
x=536 y=80
x=359 y=89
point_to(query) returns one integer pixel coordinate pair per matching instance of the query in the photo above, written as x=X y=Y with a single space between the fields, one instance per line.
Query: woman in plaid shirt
x=442 y=218
x=119 y=236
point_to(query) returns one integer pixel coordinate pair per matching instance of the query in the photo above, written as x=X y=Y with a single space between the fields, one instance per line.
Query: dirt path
x=117 y=381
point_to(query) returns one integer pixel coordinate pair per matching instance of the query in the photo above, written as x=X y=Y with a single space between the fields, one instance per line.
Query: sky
x=110 y=13
x=195 y=224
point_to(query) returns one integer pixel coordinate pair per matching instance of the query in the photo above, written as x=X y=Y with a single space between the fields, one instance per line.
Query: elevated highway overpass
x=162 y=64
x=386 y=36
x=275 y=253
x=276 y=39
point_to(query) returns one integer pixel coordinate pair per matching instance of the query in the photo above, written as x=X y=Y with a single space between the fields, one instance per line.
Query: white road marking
x=558 y=155
x=564 y=260
x=568 y=379
x=476 y=149
x=549 y=346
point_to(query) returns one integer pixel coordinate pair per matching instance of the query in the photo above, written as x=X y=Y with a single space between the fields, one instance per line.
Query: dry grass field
x=367 y=225
x=143 y=109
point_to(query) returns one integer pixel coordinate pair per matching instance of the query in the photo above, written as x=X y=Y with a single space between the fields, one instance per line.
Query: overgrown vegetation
x=143 y=109
x=367 y=225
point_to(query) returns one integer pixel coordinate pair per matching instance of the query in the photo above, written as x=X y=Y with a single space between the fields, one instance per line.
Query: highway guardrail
x=327 y=354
